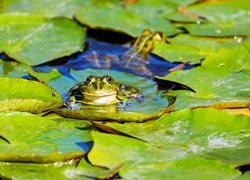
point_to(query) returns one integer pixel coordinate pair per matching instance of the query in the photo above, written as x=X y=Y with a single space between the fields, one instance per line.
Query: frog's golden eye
x=88 y=79
x=109 y=79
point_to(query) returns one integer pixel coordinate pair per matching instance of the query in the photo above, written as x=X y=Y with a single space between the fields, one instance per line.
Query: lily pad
x=195 y=168
x=174 y=141
x=191 y=49
x=219 y=89
x=34 y=39
x=128 y=20
x=39 y=139
x=16 y=69
x=223 y=18
x=218 y=82
x=54 y=171
x=17 y=94
x=50 y=8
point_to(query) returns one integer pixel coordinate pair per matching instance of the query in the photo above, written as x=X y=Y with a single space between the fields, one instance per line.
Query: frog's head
x=99 y=90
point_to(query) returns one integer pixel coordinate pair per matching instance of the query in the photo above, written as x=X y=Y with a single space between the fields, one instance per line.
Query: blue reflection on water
x=99 y=50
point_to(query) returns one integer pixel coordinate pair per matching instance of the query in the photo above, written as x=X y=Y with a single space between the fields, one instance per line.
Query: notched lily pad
x=129 y=20
x=17 y=94
x=34 y=39
x=223 y=18
x=38 y=139
x=50 y=8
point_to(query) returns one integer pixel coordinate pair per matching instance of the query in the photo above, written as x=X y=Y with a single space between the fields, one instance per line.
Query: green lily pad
x=218 y=82
x=32 y=171
x=213 y=88
x=54 y=171
x=219 y=89
x=195 y=168
x=129 y=20
x=174 y=141
x=39 y=139
x=17 y=94
x=186 y=48
x=50 y=8
x=16 y=69
x=197 y=130
x=223 y=18
x=34 y=40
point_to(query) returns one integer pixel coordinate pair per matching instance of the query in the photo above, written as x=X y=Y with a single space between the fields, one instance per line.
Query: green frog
x=101 y=91
x=135 y=59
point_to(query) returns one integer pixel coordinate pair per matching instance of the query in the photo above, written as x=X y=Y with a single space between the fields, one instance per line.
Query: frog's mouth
x=104 y=98
x=99 y=94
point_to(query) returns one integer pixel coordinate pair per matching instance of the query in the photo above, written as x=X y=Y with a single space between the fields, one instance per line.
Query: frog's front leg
x=72 y=104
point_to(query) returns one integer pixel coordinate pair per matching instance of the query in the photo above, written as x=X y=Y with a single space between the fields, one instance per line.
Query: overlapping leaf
x=223 y=18
x=50 y=8
x=33 y=39
x=129 y=20
x=192 y=49
x=39 y=139
x=17 y=94
x=175 y=140
x=218 y=82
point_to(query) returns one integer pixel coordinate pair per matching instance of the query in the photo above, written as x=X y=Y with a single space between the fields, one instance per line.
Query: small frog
x=100 y=91
x=135 y=59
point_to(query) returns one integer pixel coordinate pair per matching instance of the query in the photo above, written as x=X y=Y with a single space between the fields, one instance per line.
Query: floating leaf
x=50 y=8
x=218 y=82
x=193 y=168
x=128 y=20
x=223 y=18
x=39 y=139
x=54 y=171
x=176 y=140
x=16 y=69
x=219 y=89
x=34 y=40
x=17 y=94
x=191 y=49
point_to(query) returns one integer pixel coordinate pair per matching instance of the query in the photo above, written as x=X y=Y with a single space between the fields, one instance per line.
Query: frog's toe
x=140 y=98
x=73 y=106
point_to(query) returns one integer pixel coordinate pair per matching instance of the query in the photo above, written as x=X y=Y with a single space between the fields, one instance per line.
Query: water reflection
x=104 y=55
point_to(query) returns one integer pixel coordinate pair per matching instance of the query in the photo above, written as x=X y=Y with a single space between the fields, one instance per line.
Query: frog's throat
x=97 y=99
x=99 y=94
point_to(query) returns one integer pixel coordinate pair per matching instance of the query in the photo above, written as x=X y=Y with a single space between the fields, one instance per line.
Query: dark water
x=100 y=49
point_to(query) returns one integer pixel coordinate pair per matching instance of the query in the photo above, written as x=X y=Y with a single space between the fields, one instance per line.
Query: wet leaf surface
x=191 y=142
x=131 y=20
x=17 y=94
x=176 y=141
x=15 y=69
x=55 y=171
x=218 y=82
x=223 y=18
x=39 y=139
x=34 y=39
x=50 y=8
x=193 y=49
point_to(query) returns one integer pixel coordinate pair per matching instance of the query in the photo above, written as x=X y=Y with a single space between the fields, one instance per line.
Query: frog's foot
x=73 y=106
x=139 y=98
x=71 y=103
x=130 y=100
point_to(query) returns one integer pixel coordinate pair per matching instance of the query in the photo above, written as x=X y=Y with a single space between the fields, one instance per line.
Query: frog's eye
x=88 y=79
x=109 y=79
